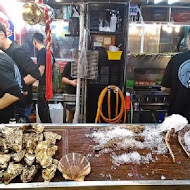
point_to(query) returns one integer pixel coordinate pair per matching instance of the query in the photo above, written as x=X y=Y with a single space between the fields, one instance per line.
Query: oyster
x=30 y=141
x=13 y=138
x=12 y=171
x=1 y=176
x=3 y=146
x=44 y=152
x=29 y=159
x=51 y=137
x=49 y=172
x=4 y=159
x=74 y=166
x=17 y=157
x=38 y=128
x=28 y=173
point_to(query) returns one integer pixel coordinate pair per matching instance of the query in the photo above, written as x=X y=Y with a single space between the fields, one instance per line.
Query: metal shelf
x=106 y=33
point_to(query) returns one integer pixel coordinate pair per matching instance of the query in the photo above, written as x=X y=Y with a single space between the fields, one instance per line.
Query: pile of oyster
x=25 y=150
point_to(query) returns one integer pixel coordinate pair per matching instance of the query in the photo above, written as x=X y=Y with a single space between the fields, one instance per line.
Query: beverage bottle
x=113 y=22
x=127 y=101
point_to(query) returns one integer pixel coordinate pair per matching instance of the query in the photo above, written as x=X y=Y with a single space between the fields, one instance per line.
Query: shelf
x=106 y=33
x=71 y=35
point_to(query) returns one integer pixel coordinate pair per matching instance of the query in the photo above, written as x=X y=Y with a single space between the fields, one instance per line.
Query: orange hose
x=109 y=104
x=117 y=103
x=122 y=112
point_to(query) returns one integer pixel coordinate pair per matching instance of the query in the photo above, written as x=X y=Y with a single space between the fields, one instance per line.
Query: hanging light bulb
x=169 y=29
x=172 y=1
x=177 y=29
x=157 y=1
x=164 y=28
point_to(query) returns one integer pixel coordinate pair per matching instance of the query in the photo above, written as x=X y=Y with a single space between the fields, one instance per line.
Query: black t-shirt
x=67 y=73
x=41 y=60
x=177 y=77
x=26 y=66
x=8 y=84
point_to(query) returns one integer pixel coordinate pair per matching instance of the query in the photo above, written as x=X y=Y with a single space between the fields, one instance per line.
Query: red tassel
x=49 y=90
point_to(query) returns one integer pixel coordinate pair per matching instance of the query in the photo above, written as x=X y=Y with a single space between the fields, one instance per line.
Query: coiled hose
x=122 y=113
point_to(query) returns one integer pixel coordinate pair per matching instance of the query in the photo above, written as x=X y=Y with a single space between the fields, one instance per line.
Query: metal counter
x=105 y=185
x=72 y=142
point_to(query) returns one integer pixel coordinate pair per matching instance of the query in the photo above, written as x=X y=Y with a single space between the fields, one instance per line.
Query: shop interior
x=119 y=135
x=147 y=36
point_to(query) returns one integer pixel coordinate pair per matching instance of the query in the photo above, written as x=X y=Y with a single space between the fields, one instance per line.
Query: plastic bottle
x=113 y=22
x=12 y=121
x=160 y=118
x=127 y=101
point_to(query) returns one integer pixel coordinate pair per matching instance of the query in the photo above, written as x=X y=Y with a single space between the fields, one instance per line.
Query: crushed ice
x=153 y=140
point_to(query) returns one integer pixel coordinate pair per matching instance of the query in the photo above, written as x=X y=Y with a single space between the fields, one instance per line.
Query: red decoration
x=7 y=26
x=49 y=89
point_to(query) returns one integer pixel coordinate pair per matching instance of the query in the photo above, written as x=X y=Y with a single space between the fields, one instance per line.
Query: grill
x=149 y=103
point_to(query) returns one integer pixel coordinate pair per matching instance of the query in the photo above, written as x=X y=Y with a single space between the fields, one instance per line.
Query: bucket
x=114 y=55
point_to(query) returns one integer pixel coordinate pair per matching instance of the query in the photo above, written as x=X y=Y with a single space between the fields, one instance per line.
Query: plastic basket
x=114 y=55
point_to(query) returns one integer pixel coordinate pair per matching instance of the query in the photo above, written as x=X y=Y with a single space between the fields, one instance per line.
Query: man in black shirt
x=28 y=69
x=68 y=80
x=43 y=108
x=176 y=82
x=10 y=91
x=70 y=87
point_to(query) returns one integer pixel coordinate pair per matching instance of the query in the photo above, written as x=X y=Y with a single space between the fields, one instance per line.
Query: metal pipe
x=126 y=28
x=82 y=100
x=85 y=100
x=81 y=38
x=142 y=33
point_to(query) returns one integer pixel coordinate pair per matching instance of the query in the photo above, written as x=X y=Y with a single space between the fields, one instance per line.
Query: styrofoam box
x=56 y=113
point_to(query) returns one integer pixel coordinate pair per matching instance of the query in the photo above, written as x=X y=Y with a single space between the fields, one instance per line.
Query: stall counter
x=104 y=175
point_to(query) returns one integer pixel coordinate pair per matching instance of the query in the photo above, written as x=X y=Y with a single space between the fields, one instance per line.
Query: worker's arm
x=166 y=90
x=41 y=69
x=26 y=65
x=29 y=79
x=7 y=100
x=68 y=81
x=167 y=79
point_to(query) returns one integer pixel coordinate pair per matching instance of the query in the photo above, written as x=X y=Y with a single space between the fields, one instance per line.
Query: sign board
x=8 y=24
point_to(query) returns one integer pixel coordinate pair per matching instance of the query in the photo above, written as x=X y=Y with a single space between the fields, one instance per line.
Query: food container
x=114 y=55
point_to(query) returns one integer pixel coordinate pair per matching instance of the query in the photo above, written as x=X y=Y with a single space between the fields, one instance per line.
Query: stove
x=150 y=104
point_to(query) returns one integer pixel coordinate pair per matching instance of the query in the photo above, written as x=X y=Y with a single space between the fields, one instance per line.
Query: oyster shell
x=44 y=152
x=49 y=172
x=1 y=176
x=29 y=159
x=13 y=138
x=74 y=166
x=3 y=146
x=38 y=128
x=51 y=137
x=30 y=141
x=28 y=173
x=12 y=171
x=4 y=159
x=17 y=157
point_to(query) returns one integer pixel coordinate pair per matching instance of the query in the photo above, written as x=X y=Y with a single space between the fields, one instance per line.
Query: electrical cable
x=122 y=113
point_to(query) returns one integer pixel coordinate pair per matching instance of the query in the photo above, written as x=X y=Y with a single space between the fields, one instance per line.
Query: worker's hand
x=35 y=84
x=25 y=93
x=166 y=90
x=74 y=82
